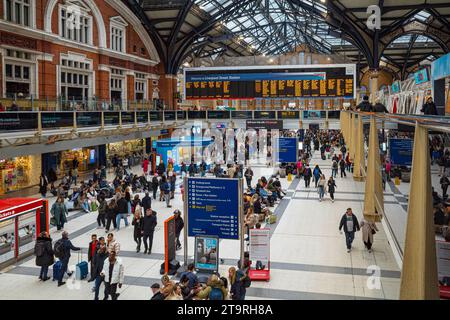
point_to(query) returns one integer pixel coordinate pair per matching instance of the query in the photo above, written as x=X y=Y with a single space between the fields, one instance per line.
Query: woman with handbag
x=368 y=228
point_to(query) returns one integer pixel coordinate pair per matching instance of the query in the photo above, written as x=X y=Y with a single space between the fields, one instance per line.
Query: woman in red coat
x=145 y=166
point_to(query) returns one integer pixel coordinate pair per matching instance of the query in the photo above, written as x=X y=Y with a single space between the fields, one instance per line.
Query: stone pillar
x=374 y=187
x=168 y=84
x=419 y=280
x=352 y=137
x=373 y=84
x=359 y=152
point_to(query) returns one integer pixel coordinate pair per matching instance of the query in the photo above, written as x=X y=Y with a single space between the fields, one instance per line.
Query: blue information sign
x=401 y=151
x=213 y=207
x=288 y=149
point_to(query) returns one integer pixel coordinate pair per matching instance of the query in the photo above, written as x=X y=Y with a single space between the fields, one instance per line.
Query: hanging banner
x=260 y=254
x=213 y=207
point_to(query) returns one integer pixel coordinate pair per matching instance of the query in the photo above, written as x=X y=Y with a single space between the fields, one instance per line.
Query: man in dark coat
x=98 y=261
x=67 y=247
x=91 y=253
x=157 y=294
x=350 y=224
x=44 y=254
x=146 y=201
x=365 y=105
x=429 y=108
x=179 y=225
x=148 y=228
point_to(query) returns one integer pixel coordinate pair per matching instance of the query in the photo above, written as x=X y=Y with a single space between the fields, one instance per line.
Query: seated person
x=439 y=217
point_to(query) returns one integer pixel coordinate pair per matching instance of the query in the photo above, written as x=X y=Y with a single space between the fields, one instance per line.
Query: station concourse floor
x=309 y=259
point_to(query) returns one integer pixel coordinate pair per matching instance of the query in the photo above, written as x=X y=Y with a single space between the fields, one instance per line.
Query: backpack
x=246 y=282
x=58 y=249
x=40 y=250
x=215 y=294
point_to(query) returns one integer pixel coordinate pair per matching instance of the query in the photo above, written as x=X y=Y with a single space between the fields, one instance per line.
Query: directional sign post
x=212 y=207
x=287 y=150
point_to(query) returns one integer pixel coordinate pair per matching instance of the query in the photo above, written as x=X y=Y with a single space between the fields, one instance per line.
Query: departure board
x=271 y=82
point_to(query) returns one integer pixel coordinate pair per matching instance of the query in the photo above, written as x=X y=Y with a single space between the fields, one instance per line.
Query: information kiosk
x=21 y=220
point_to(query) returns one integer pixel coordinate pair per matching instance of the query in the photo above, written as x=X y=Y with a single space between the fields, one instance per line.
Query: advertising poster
x=260 y=254
x=213 y=207
x=443 y=259
x=207 y=253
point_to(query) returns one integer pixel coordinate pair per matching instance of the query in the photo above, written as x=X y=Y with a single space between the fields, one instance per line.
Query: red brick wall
x=47 y=70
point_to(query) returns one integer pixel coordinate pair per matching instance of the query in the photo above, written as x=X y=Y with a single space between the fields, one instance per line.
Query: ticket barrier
x=21 y=221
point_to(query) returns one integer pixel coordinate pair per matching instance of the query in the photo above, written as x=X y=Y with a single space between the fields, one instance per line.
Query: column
x=359 y=152
x=352 y=136
x=168 y=85
x=419 y=278
x=374 y=187
x=373 y=84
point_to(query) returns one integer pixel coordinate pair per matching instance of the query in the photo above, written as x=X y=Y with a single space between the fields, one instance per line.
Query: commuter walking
x=307 y=176
x=43 y=250
x=91 y=252
x=145 y=164
x=102 y=207
x=444 y=181
x=368 y=228
x=429 y=108
x=342 y=168
x=43 y=184
x=98 y=262
x=59 y=213
x=148 y=227
x=317 y=173
x=248 y=177
x=334 y=168
x=179 y=225
x=122 y=212
x=237 y=290
x=321 y=187
x=146 y=201
x=112 y=244
x=343 y=151
x=113 y=275
x=331 y=188
x=137 y=222
x=167 y=196
x=111 y=214
x=155 y=185
x=350 y=224
x=62 y=251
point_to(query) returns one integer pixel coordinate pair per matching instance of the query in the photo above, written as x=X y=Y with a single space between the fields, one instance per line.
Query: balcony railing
x=47 y=120
x=62 y=104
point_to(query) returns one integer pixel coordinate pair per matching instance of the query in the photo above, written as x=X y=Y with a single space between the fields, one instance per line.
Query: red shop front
x=21 y=221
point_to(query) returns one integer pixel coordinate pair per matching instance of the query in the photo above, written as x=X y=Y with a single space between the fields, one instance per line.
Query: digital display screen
x=270 y=82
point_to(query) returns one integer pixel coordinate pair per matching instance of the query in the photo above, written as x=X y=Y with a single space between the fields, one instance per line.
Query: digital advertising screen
x=207 y=253
x=421 y=76
x=401 y=151
x=294 y=81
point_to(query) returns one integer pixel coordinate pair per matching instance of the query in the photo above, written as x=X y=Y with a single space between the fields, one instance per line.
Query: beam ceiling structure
x=413 y=32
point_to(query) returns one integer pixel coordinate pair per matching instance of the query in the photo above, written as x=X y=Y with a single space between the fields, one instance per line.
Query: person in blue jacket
x=317 y=173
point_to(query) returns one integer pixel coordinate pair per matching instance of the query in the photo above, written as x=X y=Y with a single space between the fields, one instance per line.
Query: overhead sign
x=265 y=124
x=401 y=151
x=287 y=150
x=290 y=81
x=213 y=207
x=52 y=120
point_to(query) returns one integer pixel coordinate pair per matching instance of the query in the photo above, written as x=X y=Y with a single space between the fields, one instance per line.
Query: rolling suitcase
x=56 y=270
x=81 y=269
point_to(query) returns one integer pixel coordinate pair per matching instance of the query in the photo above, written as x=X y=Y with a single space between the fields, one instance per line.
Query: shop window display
x=15 y=174
x=126 y=148
x=86 y=158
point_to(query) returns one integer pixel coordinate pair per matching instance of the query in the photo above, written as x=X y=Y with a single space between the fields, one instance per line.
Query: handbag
x=53 y=221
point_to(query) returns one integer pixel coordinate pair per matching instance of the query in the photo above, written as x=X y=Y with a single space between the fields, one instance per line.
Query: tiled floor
x=308 y=255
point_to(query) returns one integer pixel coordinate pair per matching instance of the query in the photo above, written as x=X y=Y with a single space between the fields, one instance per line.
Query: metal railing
x=63 y=104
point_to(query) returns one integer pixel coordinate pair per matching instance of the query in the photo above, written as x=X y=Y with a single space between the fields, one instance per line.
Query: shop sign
x=265 y=124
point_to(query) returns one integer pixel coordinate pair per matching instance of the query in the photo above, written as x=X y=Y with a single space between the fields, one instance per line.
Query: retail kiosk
x=21 y=220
